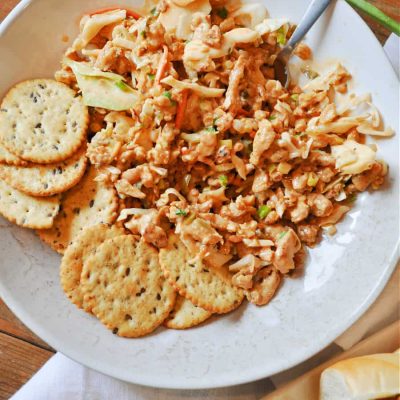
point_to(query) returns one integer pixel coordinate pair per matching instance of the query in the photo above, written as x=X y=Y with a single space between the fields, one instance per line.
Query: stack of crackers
x=46 y=184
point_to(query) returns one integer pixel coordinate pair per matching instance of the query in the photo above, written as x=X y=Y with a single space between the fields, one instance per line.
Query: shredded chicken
x=266 y=283
x=232 y=98
x=262 y=141
x=199 y=139
x=288 y=244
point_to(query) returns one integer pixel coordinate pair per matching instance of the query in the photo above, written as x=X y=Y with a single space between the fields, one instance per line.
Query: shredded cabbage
x=196 y=88
x=249 y=261
x=270 y=25
x=250 y=15
x=91 y=26
x=127 y=212
x=352 y=157
x=177 y=18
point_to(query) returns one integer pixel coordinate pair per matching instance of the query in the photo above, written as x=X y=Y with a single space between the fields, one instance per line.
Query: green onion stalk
x=376 y=14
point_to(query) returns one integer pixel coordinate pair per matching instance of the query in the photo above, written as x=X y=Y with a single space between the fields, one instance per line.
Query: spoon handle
x=314 y=11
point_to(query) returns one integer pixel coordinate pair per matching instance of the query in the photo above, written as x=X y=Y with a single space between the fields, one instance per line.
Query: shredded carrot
x=163 y=65
x=129 y=13
x=243 y=112
x=180 y=114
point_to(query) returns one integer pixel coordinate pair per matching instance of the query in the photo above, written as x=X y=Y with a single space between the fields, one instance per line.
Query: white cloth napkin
x=63 y=379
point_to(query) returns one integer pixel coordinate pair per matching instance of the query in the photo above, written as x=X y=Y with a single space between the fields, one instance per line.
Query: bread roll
x=363 y=378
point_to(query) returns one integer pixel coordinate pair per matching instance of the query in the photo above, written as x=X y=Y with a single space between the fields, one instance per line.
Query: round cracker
x=206 y=287
x=186 y=315
x=43 y=121
x=88 y=203
x=27 y=211
x=46 y=179
x=82 y=247
x=9 y=158
x=125 y=286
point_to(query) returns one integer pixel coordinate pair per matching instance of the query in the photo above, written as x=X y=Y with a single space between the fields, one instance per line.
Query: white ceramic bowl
x=342 y=278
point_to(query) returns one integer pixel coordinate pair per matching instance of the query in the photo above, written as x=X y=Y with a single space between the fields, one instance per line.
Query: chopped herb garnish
x=180 y=212
x=211 y=129
x=223 y=179
x=122 y=85
x=154 y=11
x=295 y=97
x=271 y=117
x=143 y=34
x=282 y=234
x=263 y=211
x=312 y=179
x=222 y=12
x=281 y=36
x=168 y=95
x=151 y=76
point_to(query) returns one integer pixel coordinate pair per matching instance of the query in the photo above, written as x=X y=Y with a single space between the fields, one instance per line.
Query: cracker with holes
x=46 y=179
x=9 y=158
x=82 y=247
x=43 y=121
x=186 y=315
x=88 y=203
x=27 y=211
x=125 y=287
x=206 y=287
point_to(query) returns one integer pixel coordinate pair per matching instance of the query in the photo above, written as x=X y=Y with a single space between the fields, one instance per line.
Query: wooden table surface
x=21 y=352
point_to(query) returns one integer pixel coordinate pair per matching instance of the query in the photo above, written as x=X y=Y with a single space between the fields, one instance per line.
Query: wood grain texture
x=389 y=7
x=11 y=325
x=19 y=360
x=6 y=6
x=21 y=352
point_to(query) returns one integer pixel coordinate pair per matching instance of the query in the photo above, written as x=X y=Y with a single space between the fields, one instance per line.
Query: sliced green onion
x=151 y=76
x=211 y=129
x=312 y=179
x=281 y=37
x=282 y=234
x=122 y=85
x=168 y=95
x=271 y=117
x=222 y=12
x=263 y=211
x=181 y=213
x=377 y=14
x=223 y=179
x=295 y=97
x=154 y=11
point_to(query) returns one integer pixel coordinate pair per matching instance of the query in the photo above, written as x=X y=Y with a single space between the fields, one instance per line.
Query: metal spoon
x=314 y=11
